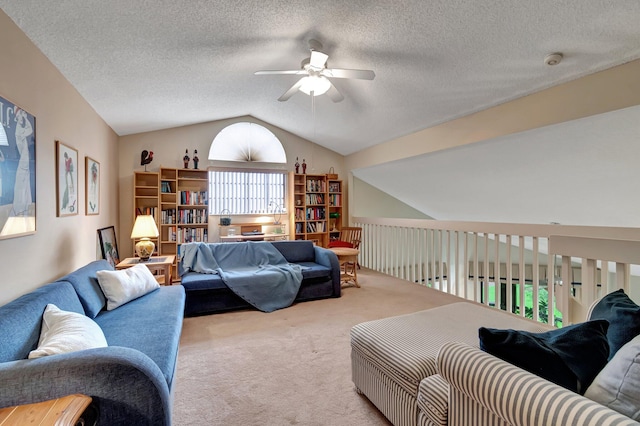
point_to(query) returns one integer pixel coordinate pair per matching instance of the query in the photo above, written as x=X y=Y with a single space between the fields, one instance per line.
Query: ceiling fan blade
x=268 y=72
x=291 y=91
x=318 y=59
x=343 y=73
x=334 y=94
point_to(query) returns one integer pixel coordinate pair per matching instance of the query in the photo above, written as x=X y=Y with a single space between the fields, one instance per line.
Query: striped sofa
x=425 y=368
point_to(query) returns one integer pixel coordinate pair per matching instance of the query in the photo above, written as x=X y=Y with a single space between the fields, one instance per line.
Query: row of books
x=168 y=216
x=192 y=216
x=315 y=213
x=146 y=210
x=194 y=198
x=187 y=235
x=191 y=235
x=314 y=199
x=335 y=200
x=316 y=185
x=313 y=227
x=165 y=187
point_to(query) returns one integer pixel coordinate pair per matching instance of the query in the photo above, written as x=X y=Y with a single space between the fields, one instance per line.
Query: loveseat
x=426 y=368
x=207 y=293
x=130 y=380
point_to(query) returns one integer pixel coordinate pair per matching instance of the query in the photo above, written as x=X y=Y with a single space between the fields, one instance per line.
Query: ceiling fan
x=316 y=75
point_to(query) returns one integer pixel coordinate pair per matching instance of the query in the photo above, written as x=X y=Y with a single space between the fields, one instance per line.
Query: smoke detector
x=553 y=59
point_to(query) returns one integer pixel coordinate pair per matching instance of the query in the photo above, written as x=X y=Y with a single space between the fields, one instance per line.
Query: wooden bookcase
x=312 y=207
x=145 y=198
x=168 y=211
x=193 y=206
x=336 y=200
x=178 y=200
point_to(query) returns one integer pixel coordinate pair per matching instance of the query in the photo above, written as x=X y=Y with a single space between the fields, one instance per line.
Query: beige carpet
x=288 y=367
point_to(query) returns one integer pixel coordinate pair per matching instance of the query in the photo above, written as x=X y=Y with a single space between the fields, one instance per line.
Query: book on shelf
x=315 y=213
x=194 y=198
x=165 y=187
x=146 y=211
x=314 y=199
x=316 y=227
x=316 y=185
x=192 y=235
x=168 y=216
x=192 y=216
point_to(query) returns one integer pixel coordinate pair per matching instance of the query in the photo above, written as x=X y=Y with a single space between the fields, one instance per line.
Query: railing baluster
x=535 y=278
x=428 y=251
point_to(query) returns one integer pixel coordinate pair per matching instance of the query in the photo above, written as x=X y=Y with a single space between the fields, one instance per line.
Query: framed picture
x=17 y=171
x=66 y=179
x=91 y=186
x=108 y=245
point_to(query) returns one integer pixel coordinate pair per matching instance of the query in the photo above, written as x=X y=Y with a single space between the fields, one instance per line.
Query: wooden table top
x=344 y=251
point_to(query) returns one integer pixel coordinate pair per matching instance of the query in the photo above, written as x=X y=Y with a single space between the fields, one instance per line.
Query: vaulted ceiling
x=146 y=65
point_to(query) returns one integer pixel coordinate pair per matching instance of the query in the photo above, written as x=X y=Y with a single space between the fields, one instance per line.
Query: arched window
x=247 y=142
x=247 y=191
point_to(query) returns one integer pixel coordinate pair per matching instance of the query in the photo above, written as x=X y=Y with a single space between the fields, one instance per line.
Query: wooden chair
x=351 y=235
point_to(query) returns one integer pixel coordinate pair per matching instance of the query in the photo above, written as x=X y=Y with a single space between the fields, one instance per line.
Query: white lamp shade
x=144 y=227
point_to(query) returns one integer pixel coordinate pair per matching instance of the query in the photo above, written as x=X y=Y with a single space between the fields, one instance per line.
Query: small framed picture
x=91 y=186
x=66 y=180
x=108 y=245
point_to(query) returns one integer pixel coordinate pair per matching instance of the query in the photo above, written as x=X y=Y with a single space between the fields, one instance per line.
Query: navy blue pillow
x=623 y=316
x=570 y=356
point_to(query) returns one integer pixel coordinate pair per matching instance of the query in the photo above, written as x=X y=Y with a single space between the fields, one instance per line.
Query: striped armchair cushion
x=433 y=399
x=491 y=392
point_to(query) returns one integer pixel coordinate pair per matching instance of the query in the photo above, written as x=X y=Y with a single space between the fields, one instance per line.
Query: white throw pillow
x=63 y=332
x=617 y=386
x=120 y=287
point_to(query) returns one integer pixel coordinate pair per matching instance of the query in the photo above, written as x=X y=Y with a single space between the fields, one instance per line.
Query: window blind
x=246 y=192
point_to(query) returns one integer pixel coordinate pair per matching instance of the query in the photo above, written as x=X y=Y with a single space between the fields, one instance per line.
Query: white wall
x=60 y=244
x=369 y=201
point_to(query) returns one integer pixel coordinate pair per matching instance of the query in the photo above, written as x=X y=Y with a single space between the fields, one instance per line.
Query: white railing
x=480 y=261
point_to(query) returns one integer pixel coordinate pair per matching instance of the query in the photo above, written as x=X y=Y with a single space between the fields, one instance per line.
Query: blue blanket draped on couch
x=256 y=272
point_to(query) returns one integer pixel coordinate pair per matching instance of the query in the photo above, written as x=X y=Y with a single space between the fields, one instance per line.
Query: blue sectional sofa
x=130 y=381
x=208 y=294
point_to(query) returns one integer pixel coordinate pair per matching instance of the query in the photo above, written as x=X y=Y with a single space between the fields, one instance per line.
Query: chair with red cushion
x=350 y=236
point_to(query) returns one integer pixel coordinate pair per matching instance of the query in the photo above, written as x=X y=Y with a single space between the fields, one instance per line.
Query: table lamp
x=144 y=228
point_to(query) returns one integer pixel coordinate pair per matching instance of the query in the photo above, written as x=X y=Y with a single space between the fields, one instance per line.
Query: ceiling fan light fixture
x=319 y=85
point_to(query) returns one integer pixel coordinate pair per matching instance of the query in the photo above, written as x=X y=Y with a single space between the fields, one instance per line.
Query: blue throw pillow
x=570 y=357
x=623 y=316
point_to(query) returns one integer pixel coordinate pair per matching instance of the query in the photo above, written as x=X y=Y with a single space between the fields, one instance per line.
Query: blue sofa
x=130 y=381
x=208 y=294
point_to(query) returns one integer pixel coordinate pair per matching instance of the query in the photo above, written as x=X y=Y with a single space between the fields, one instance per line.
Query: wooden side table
x=63 y=411
x=348 y=259
x=155 y=263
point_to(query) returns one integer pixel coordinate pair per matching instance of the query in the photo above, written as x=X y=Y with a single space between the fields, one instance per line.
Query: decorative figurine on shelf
x=186 y=158
x=304 y=167
x=195 y=159
x=145 y=158
x=297 y=166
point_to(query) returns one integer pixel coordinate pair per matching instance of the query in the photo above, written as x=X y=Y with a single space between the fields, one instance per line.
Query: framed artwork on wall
x=66 y=180
x=91 y=186
x=108 y=245
x=17 y=171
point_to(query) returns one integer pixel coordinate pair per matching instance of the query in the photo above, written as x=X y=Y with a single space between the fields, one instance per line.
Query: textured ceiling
x=147 y=65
